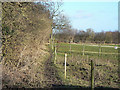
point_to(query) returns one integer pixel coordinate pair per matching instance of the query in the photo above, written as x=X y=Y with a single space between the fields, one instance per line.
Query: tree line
x=82 y=36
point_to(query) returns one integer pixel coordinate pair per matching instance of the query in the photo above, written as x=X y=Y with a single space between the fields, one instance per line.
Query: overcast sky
x=96 y=15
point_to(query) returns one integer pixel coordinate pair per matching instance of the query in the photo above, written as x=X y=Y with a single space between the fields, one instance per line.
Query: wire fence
x=75 y=67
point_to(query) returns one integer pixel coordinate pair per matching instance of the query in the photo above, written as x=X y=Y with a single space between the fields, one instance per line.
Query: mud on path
x=51 y=73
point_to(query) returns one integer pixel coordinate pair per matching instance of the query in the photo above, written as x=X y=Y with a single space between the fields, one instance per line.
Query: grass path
x=51 y=73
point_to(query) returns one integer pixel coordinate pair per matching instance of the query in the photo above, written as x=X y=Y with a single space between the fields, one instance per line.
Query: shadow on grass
x=71 y=87
x=63 y=87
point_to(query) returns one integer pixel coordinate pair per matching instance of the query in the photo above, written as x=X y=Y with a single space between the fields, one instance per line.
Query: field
x=79 y=58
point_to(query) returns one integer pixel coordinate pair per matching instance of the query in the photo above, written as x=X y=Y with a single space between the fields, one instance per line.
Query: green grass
x=92 y=51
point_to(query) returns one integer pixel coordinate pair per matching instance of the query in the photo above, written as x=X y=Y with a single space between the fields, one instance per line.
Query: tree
x=108 y=37
x=54 y=9
x=62 y=26
x=90 y=34
x=115 y=36
x=99 y=37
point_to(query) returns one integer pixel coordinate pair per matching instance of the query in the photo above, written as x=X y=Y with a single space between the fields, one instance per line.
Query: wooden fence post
x=92 y=75
x=99 y=50
x=55 y=54
x=65 y=64
x=83 y=50
x=70 y=48
x=51 y=41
